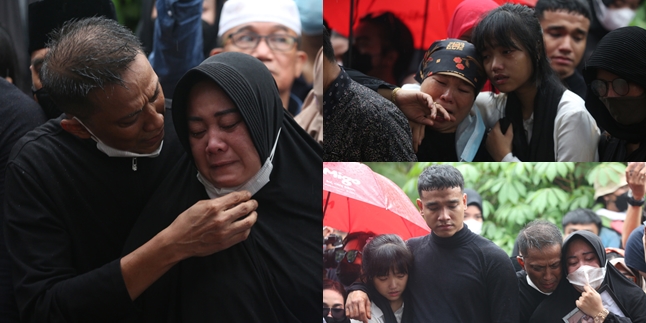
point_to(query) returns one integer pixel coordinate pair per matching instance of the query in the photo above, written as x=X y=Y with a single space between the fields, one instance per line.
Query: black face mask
x=348 y=273
x=626 y=110
x=360 y=62
x=46 y=103
x=329 y=319
x=622 y=202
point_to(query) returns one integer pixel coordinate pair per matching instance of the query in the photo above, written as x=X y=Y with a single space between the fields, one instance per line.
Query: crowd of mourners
x=173 y=174
x=563 y=81
x=581 y=271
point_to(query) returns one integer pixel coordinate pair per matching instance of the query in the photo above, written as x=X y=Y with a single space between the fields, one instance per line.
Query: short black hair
x=328 y=50
x=538 y=234
x=84 y=55
x=439 y=177
x=582 y=216
x=571 y=6
x=384 y=253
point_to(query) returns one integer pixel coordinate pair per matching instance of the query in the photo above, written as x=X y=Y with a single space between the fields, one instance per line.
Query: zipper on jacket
x=134 y=164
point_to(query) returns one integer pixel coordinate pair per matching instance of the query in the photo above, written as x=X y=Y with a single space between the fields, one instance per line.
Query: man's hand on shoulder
x=357 y=306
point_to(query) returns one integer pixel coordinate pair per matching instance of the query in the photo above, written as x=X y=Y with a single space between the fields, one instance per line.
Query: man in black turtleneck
x=457 y=275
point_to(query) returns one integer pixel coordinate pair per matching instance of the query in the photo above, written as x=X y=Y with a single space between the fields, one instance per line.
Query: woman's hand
x=419 y=107
x=499 y=144
x=590 y=302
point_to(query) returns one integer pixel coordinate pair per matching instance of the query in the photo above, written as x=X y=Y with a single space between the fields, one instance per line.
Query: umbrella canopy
x=428 y=20
x=357 y=199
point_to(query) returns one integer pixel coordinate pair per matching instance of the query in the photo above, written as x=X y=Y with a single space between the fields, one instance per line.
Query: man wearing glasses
x=616 y=74
x=349 y=258
x=269 y=31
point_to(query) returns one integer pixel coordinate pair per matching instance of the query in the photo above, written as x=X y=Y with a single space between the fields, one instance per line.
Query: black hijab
x=274 y=275
x=630 y=298
x=622 y=52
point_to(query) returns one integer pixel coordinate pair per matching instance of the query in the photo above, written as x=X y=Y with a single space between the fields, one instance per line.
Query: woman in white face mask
x=229 y=117
x=596 y=291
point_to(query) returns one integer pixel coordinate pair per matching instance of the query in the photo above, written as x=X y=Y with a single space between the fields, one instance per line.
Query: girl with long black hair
x=534 y=118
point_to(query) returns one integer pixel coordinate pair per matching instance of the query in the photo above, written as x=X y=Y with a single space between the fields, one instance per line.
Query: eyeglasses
x=337 y=313
x=351 y=255
x=600 y=87
x=249 y=40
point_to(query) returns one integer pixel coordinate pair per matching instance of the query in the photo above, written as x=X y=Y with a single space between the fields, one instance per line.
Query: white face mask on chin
x=253 y=185
x=474 y=225
x=612 y=19
x=587 y=275
x=113 y=152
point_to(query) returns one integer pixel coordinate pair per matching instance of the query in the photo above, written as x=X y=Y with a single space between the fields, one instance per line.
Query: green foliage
x=516 y=193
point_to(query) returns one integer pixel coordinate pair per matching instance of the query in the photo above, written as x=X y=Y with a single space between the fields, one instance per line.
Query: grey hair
x=84 y=55
x=539 y=234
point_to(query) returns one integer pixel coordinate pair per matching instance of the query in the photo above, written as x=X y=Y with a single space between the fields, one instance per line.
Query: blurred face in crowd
x=508 y=69
x=543 y=266
x=332 y=299
x=564 y=35
x=630 y=4
x=473 y=213
x=443 y=210
x=452 y=93
x=284 y=65
x=37 y=58
x=570 y=228
x=220 y=141
x=367 y=41
x=611 y=199
x=580 y=253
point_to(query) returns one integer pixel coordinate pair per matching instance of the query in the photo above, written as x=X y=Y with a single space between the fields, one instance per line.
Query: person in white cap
x=271 y=32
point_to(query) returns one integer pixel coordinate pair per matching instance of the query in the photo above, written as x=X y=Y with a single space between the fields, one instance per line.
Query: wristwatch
x=601 y=316
x=634 y=202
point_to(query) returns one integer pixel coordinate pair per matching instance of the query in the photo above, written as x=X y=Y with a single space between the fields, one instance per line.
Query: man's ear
x=216 y=51
x=300 y=59
x=521 y=262
x=74 y=127
x=420 y=205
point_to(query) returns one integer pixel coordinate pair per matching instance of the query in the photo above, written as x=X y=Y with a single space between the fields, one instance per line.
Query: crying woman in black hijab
x=594 y=289
x=237 y=135
x=616 y=76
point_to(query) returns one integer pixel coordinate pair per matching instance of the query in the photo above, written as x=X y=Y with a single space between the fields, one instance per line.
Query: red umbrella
x=426 y=19
x=357 y=199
